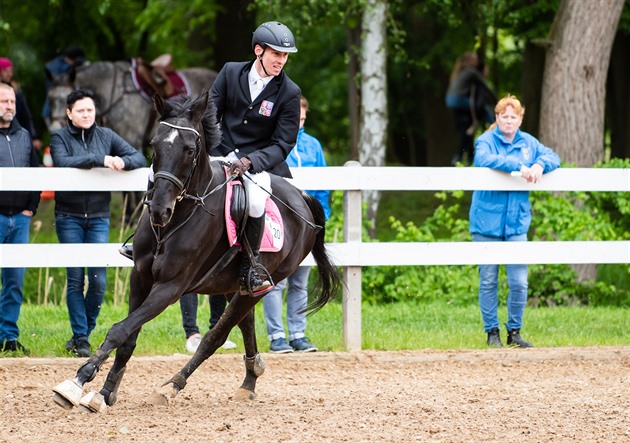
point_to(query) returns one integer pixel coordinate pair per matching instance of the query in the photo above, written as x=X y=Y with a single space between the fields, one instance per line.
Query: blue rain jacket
x=308 y=152
x=503 y=214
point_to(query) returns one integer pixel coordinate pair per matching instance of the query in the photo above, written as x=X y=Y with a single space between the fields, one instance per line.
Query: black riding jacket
x=72 y=147
x=16 y=151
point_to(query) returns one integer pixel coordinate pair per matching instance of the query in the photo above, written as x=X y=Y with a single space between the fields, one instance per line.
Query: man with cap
x=22 y=111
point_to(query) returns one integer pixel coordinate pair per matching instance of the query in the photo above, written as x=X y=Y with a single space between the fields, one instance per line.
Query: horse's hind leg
x=236 y=311
x=254 y=364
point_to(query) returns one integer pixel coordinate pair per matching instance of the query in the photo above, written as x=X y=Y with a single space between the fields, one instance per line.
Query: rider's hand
x=240 y=166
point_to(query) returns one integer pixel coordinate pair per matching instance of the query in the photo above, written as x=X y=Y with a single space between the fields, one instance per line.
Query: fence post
x=351 y=305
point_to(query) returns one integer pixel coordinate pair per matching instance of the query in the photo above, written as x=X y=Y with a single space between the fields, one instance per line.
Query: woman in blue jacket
x=506 y=215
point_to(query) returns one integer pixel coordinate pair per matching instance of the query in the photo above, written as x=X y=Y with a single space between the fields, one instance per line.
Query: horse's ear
x=161 y=106
x=199 y=107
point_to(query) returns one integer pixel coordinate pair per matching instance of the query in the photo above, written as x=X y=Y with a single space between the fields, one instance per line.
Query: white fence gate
x=351 y=254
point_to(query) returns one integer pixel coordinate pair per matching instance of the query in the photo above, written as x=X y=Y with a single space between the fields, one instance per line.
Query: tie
x=258 y=87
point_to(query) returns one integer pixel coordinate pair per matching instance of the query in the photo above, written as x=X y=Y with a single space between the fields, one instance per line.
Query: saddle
x=158 y=77
x=235 y=209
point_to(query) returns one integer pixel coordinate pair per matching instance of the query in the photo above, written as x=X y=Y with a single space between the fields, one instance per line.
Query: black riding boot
x=250 y=281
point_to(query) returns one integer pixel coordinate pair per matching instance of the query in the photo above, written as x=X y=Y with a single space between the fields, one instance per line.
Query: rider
x=258 y=108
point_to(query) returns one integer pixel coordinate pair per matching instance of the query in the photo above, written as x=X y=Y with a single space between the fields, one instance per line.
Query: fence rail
x=351 y=254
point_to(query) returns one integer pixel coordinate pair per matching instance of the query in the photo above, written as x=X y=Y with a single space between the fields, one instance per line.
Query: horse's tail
x=328 y=282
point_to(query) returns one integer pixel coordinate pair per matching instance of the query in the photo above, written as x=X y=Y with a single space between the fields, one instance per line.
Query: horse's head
x=62 y=86
x=186 y=127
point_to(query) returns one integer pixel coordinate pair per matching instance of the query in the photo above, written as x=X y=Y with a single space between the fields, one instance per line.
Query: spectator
x=307 y=152
x=188 y=304
x=16 y=210
x=83 y=217
x=467 y=96
x=65 y=63
x=22 y=111
x=505 y=216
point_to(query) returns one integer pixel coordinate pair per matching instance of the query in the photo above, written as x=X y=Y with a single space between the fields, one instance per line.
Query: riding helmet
x=275 y=35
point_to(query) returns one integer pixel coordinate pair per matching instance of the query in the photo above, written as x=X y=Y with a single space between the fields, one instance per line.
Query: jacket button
x=251 y=107
x=244 y=122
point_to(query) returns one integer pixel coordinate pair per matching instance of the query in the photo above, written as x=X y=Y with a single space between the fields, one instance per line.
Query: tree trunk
x=618 y=98
x=576 y=67
x=354 y=99
x=531 y=85
x=235 y=24
x=374 y=119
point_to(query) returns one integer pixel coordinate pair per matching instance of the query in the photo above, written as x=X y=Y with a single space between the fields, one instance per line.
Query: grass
x=400 y=326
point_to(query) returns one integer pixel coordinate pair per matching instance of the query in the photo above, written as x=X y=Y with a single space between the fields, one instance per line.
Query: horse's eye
x=190 y=150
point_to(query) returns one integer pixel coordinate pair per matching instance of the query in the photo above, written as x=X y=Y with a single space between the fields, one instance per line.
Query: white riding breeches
x=256 y=196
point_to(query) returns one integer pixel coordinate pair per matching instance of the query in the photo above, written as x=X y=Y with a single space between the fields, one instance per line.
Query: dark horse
x=181 y=246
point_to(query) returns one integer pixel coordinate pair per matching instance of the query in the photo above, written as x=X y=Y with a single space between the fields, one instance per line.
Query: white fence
x=351 y=254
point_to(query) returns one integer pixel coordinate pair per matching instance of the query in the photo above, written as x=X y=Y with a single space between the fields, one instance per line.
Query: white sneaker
x=192 y=343
x=229 y=344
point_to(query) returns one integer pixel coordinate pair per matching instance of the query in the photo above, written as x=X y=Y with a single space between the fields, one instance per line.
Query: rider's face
x=83 y=113
x=272 y=60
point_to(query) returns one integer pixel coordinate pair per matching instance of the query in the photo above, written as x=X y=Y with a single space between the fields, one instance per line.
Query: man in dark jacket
x=83 y=217
x=22 y=111
x=16 y=210
x=258 y=107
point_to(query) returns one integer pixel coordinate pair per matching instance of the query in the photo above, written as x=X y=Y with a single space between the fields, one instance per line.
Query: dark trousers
x=466 y=146
x=189 y=303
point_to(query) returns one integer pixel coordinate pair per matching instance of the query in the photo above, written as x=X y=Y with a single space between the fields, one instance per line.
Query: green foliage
x=454 y=284
x=569 y=216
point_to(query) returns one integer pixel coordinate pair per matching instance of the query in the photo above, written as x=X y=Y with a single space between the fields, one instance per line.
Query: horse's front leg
x=121 y=336
x=236 y=311
x=107 y=396
x=254 y=364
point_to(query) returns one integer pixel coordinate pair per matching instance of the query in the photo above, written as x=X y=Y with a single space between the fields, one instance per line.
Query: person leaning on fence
x=83 y=217
x=16 y=210
x=308 y=152
x=505 y=216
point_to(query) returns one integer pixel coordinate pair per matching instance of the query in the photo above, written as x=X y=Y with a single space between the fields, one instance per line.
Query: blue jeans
x=488 y=289
x=297 y=296
x=83 y=309
x=14 y=229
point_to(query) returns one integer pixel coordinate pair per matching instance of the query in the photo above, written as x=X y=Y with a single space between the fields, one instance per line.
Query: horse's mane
x=182 y=106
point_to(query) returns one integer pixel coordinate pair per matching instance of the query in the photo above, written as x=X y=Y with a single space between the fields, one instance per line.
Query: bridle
x=182 y=186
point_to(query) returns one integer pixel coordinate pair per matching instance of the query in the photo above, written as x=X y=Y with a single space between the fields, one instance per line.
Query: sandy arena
x=535 y=395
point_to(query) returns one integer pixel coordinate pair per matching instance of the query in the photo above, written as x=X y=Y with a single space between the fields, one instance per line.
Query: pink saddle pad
x=273 y=236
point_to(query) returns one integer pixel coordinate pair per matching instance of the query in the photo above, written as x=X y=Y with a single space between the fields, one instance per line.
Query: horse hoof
x=163 y=395
x=67 y=394
x=93 y=402
x=61 y=401
x=243 y=394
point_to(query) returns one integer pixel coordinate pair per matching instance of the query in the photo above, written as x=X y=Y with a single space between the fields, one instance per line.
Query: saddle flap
x=235 y=207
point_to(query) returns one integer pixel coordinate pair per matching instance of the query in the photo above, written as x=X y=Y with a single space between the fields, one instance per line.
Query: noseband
x=173 y=178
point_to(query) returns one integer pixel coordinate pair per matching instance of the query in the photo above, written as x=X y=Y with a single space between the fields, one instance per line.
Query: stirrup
x=246 y=282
